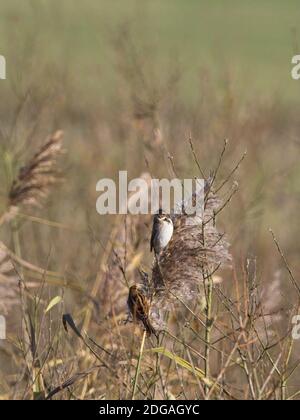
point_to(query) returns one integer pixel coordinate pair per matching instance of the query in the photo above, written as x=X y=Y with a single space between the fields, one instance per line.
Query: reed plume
x=195 y=253
x=36 y=178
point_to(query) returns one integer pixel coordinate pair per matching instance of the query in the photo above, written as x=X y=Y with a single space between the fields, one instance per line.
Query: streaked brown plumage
x=139 y=307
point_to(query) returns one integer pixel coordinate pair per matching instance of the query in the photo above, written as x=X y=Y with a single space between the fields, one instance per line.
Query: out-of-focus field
x=252 y=41
x=128 y=82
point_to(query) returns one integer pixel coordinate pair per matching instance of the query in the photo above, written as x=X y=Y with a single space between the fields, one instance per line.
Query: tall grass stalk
x=138 y=367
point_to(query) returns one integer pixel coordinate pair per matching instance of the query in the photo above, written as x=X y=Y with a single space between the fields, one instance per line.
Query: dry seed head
x=37 y=177
x=196 y=251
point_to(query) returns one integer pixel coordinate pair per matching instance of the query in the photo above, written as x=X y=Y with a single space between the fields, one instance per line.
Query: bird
x=162 y=232
x=138 y=305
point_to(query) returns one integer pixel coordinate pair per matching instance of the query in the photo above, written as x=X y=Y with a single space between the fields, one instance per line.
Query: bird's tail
x=149 y=328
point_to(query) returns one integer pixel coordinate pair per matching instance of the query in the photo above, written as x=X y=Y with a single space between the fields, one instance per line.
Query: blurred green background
x=252 y=40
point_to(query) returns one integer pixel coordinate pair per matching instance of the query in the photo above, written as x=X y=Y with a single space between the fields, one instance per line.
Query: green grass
x=253 y=41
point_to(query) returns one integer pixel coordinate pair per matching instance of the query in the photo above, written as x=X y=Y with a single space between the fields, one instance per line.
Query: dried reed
x=40 y=174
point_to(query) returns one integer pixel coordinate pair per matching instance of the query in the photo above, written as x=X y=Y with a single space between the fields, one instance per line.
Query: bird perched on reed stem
x=162 y=232
x=138 y=305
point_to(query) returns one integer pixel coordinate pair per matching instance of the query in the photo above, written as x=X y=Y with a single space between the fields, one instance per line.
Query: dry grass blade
x=293 y=280
x=184 y=364
x=71 y=381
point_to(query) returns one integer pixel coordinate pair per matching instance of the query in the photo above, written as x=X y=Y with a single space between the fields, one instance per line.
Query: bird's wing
x=142 y=306
x=154 y=228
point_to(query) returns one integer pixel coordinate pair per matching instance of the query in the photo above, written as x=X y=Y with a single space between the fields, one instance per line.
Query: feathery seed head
x=37 y=177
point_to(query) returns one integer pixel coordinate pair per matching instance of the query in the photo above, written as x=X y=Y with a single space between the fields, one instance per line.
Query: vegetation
x=153 y=88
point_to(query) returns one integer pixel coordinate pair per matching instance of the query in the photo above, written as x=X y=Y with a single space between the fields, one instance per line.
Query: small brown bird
x=139 y=307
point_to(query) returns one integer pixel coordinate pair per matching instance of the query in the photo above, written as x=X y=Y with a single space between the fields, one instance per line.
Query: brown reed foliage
x=225 y=340
x=29 y=189
x=222 y=349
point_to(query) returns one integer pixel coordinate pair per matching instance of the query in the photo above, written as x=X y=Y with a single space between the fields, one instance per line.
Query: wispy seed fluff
x=196 y=251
